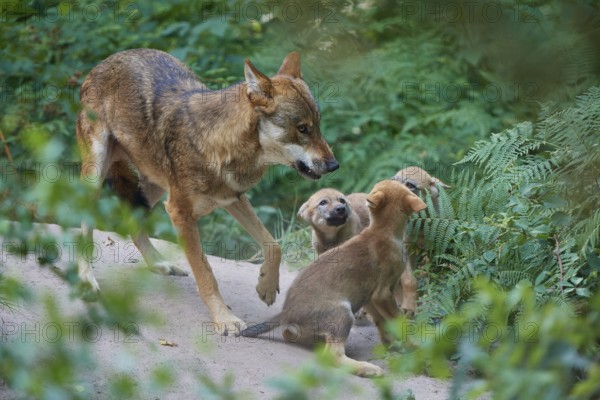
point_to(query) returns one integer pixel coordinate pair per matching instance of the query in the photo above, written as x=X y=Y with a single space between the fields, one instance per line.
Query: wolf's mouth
x=305 y=171
x=336 y=221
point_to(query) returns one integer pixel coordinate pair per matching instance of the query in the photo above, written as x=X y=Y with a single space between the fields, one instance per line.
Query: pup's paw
x=268 y=287
x=368 y=370
x=166 y=268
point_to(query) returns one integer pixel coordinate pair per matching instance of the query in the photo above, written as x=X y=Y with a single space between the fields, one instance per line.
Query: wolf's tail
x=258 y=329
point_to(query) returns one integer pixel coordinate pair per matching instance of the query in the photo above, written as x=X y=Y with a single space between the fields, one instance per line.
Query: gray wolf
x=149 y=126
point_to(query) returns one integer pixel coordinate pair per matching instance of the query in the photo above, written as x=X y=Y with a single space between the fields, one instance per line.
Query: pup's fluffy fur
x=335 y=218
x=363 y=271
x=406 y=291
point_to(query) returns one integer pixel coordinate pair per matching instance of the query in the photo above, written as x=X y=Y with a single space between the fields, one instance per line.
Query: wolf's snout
x=331 y=165
x=340 y=210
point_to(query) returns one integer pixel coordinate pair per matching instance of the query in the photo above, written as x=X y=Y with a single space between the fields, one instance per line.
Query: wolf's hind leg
x=138 y=192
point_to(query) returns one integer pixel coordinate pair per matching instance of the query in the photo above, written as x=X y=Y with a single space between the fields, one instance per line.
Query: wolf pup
x=149 y=125
x=334 y=218
x=420 y=180
x=320 y=304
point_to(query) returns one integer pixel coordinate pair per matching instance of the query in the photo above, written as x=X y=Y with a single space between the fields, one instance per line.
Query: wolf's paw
x=88 y=288
x=268 y=287
x=230 y=325
x=87 y=292
x=408 y=313
x=167 y=268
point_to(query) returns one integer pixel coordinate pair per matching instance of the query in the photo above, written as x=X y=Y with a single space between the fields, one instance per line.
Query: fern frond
x=576 y=131
x=588 y=232
x=503 y=149
x=512 y=277
x=534 y=169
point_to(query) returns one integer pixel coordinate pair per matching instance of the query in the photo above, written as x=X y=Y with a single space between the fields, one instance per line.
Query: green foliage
x=513 y=347
x=398 y=84
x=525 y=210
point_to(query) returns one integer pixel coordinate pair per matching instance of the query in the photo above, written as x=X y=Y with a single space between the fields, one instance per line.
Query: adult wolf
x=149 y=126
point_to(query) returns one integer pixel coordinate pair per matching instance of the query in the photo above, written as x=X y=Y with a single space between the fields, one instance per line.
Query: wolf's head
x=289 y=119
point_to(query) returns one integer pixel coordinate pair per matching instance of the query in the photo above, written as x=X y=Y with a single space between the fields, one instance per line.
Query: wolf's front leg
x=268 y=280
x=181 y=216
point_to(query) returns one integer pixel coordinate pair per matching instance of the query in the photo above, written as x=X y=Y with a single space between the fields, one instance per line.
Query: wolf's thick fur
x=363 y=271
x=150 y=126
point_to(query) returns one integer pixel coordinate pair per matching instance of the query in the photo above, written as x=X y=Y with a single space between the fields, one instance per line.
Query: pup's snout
x=340 y=210
x=331 y=165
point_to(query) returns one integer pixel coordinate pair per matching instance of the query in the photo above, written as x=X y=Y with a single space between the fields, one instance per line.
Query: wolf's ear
x=415 y=204
x=291 y=66
x=303 y=212
x=375 y=199
x=260 y=89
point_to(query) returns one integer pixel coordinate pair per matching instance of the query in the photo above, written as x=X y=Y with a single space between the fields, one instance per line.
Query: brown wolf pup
x=415 y=177
x=149 y=125
x=334 y=218
x=363 y=271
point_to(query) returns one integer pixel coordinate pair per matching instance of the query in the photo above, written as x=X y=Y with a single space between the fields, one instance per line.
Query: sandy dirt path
x=183 y=320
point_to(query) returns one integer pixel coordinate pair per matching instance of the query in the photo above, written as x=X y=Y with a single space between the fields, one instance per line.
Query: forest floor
x=180 y=318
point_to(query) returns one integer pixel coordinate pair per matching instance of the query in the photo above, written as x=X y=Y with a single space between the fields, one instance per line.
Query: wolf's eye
x=323 y=202
x=302 y=129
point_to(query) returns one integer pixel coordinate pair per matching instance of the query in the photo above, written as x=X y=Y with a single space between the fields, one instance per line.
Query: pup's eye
x=410 y=185
x=342 y=201
x=323 y=202
x=302 y=128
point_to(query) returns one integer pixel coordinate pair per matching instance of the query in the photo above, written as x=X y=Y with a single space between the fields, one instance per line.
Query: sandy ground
x=183 y=320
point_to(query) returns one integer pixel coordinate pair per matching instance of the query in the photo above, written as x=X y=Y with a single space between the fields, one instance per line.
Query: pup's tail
x=259 y=329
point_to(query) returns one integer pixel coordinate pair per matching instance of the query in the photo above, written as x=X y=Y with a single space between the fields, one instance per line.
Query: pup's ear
x=260 y=88
x=435 y=193
x=291 y=66
x=435 y=180
x=304 y=211
x=375 y=199
x=415 y=203
x=349 y=205
x=433 y=189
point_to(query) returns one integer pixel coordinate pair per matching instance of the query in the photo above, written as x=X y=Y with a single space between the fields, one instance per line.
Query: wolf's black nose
x=331 y=165
x=341 y=209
